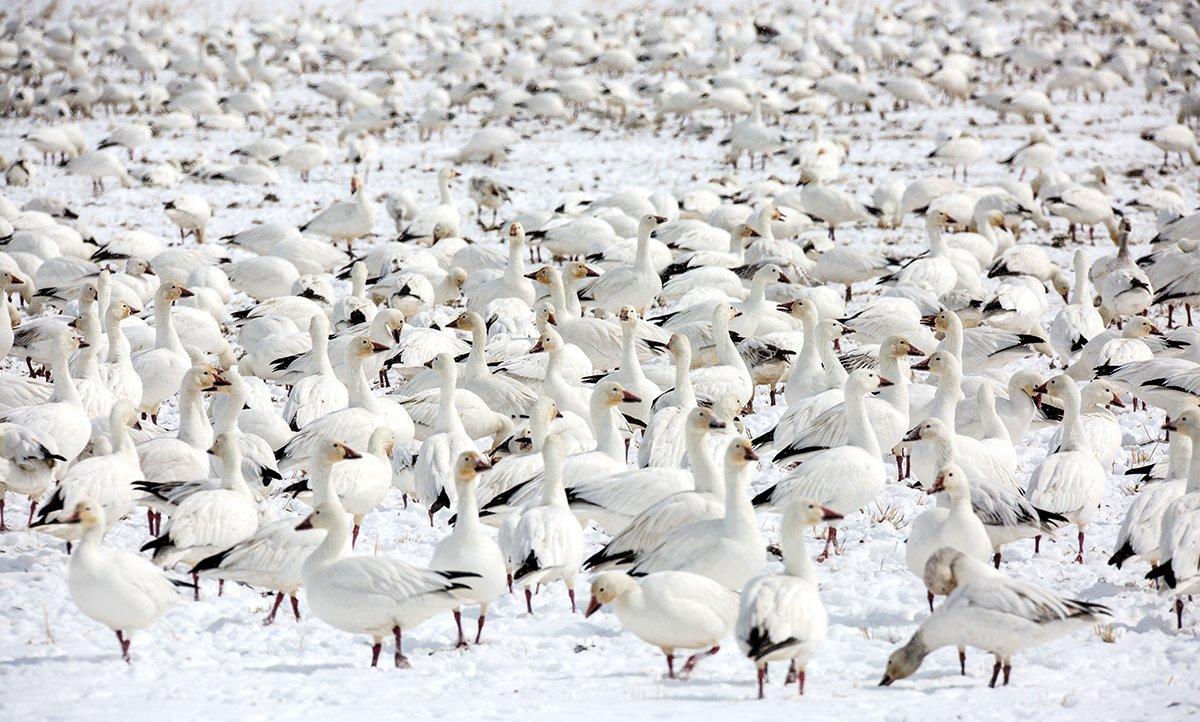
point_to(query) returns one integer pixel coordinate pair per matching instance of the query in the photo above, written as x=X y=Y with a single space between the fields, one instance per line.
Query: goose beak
x=350 y=453
x=1156 y=331
x=483 y=465
x=886 y=681
x=922 y=365
x=590 y=272
x=1116 y=401
x=750 y=455
x=219 y=380
x=786 y=307
x=396 y=335
x=630 y=397
x=660 y=219
x=939 y=484
x=1169 y=425
x=715 y=423
x=306 y=524
x=929 y=320
x=914 y=351
x=884 y=383
x=914 y=434
x=537 y=347
x=1040 y=389
x=828 y=514
x=377 y=347
x=592 y=608
x=84 y=344
x=532 y=276
x=185 y=293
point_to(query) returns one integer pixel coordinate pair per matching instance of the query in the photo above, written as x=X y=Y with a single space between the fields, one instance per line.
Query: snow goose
x=1038 y=153
x=373 y=595
x=98 y=165
x=355 y=422
x=60 y=423
x=500 y=393
x=1179 y=540
x=487 y=193
x=1077 y=322
x=468 y=548
x=434 y=471
x=636 y=285
x=1173 y=138
x=1141 y=528
x=321 y=392
x=780 y=616
x=546 y=542
x=104 y=479
x=122 y=590
x=1081 y=205
x=980 y=347
x=360 y=482
x=1070 y=481
x=630 y=374
x=445 y=212
x=729 y=376
x=959 y=151
x=209 y=520
x=304 y=156
x=843 y=478
x=670 y=610
x=832 y=206
x=952 y=525
x=345 y=220
x=663 y=442
x=26 y=465
x=270 y=559
x=512 y=283
x=992 y=611
x=163 y=367
x=263 y=277
x=191 y=214
x=729 y=550
x=706 y=500
x=1125 y=288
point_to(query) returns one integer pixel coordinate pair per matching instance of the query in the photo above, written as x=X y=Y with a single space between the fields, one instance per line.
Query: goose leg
x=962 y=661
x=929 y=598
x=762 y=675
x=482 y=619
x=462 y=641
x=274 y=608
x=354 y=536
x=828 y=541
x=508 y=577
x=996 y=559
x=690 y=665
x=670 y=665
x=1007 y=672
x=899 y=467
x=195 y=587
x=571 y=594
x=800 y=681
x=1037 y=544
x=220 y=587
x=3 y=525
x=124 y=646
x=401 y=660
x=375 y=650
x=528 y=600
x=995 y=673
x=1079 y=556
x=1179 y=613
x=296 y=607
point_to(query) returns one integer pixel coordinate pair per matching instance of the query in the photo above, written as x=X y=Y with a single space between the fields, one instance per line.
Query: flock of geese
x=665 y=368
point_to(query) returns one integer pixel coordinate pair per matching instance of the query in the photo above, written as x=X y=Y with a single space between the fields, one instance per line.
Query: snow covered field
x=215 y=660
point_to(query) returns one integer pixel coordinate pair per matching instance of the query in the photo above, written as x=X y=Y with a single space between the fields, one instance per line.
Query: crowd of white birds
x=832 y=336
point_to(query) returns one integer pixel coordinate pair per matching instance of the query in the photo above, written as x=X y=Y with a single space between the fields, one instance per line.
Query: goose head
x=801 y=308
x=745 y=233
x=224 y=447
x=933 y=429
x=899 y=346
x=516 y=234
x=468 y=465
x=942 y=321
x=770 y=273
x=467 y=321
x=8 y=280
x=549 y=341
x=701 y=420
x=579 y=270
x=905 y=661
x=356 y=184
x=628 y=317
x=942 y=364
x=205 y=378
x=444 y=365
x=545 y=315
x=1101 y=393
x=1186 y=423
x=614 y=393
x=447 y=174
x=1060 y=283
x=680 y=348
x=544 y=275
x=950 y=479
x=364 y=347
x=607 y=587
x=172 y=291
x=740 y=454
x=1060 y=387
x=1140 y=327
x=649 y=222
x=939 y=575
x=456 y=277
x=805 y=513
x=328 y=516
x=388 y=321
x=1025 y=382
x=830 y=330
x=382 y=441
x=120 y=310
x=87 y=514
x=865 y=381
x=723 y=313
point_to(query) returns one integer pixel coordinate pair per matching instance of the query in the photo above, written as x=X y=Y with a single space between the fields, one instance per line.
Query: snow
x=215 y=659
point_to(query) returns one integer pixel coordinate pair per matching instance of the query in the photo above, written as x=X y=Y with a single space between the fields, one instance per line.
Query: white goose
x=60 y=423
x=671 y=610
x=1069 y=481
x=989 y=610
x=1077 y=322
x=729 y=550
x=843 y=478
x=445 y=212
x=163 y=367
x=705 y=500
x=347 y=220
x=434 y=471
x=122 y=590
x=321 y=392
x=500 y=394
x=373 y=595
x=637 y=285
x=1140 y=535
x=209 y=520
x=26 y=467
x=730 y=376
x=780 y=616
x=663 y=442
x=953 y=525
x=468 y=548
x=1179 y=542
x=546 y=542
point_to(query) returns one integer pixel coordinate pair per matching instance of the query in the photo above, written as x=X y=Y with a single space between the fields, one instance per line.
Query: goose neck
x=858 y=425
x=738 y=511
x=165 y=335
